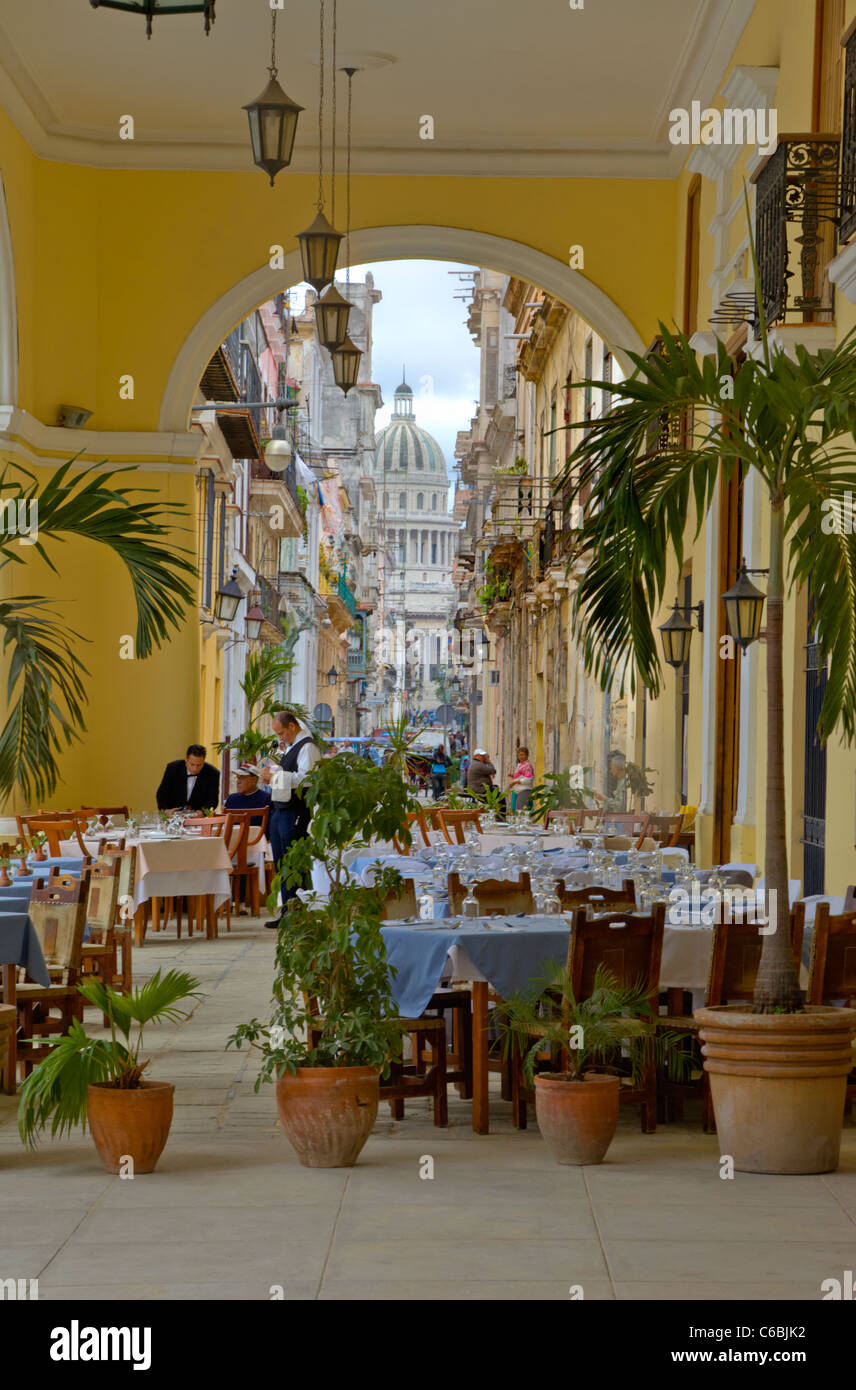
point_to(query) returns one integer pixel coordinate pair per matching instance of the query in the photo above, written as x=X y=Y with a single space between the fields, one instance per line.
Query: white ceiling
x=531 y=88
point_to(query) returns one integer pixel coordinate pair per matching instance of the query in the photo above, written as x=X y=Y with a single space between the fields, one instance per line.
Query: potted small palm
x=577 y=1109
x=333 y=1026
x=646 y=472
x=100 y=1081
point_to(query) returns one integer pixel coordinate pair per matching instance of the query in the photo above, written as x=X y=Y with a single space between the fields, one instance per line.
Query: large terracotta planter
x=778 y=1084
x=328 y=1113
x=131 y=1123
x=577 y=1119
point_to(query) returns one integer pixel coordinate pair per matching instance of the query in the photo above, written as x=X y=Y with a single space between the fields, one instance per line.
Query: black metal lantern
x=273 y=126
x=331 y=318
x=677 y=635
x=150 y=8
x=273 y=120
x=227 y=600
x=332 y=676
x=254 y=619
x=319 y=251
x=346 y=364
x=744 y=607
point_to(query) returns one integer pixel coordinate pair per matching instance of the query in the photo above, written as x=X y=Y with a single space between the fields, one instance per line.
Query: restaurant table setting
x=173 y=860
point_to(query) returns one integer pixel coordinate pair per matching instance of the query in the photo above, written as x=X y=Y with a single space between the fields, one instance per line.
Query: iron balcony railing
x=346 y=595
x=796 y=210
x=847 y=223
x=288 y=477
x=269 y=600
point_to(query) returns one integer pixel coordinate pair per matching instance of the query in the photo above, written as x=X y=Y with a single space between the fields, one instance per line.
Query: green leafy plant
x=55 y=1092
x=45 y=689
x=559 y=792
x=637 y=780
x=615 y=1023
x=497 y=585
x=266 y=669
x=789 y=422
x=332 y=1004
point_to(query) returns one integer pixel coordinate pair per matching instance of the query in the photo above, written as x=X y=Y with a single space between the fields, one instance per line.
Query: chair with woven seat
x=123 y=931
x=599 y=899
x=496 y=896
x=630 y=946
x=734 y=961
x=400 y=904
x=99 y=953
x=58 y=913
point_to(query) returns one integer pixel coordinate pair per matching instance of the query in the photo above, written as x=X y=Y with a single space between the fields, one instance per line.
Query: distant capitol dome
x=403 y=446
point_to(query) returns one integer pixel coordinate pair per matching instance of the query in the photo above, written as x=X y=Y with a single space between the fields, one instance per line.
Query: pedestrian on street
x=480 y=773
x=522 y=779
x=289 y=813
x=439 y=768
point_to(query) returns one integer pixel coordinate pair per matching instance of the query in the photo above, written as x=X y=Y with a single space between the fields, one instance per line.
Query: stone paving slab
x=231 y=1214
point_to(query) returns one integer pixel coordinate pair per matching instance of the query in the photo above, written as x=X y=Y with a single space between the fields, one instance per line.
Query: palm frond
x=55 y=1092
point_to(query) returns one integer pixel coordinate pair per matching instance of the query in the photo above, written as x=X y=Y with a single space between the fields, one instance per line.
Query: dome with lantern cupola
x=403 y=447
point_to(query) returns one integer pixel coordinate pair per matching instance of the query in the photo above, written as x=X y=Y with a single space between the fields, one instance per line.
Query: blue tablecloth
x=19 y=945
x=512 y=953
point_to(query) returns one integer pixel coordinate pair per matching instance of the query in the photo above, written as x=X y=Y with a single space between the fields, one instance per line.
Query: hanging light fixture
x=346 y=357
x=254 y=619
x=279 y=450
x=150 y=8
x=273 y=120
x=677 y=635
x=319 y=243
x=744 y=606
x=331 y=318
x=227 y=600
x=332 y=676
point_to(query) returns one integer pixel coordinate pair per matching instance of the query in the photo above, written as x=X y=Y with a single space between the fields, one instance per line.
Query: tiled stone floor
x=230 y=1213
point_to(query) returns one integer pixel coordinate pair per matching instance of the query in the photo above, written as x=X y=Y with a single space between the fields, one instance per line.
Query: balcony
x=341 y=604
x=796 y=209
x=278 y=490
x=298 y=594
x=269 y=603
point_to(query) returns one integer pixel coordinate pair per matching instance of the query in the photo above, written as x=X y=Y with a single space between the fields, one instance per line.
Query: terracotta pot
x=131 y=1123
x=576 y=1118
x=328 y=1113
x=778 y=1085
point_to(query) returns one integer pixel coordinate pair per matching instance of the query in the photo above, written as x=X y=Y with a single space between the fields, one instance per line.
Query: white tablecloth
x=194 y=866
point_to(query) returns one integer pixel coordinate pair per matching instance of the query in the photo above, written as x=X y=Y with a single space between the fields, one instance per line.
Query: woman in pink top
x=522 y=779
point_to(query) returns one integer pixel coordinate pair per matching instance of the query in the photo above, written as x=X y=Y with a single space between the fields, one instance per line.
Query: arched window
x=386 y=501
x=402 y=501
x=420 y=501
x=433 y=501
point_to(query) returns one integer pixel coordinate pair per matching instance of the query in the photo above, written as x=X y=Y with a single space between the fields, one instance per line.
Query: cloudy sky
x=420 y=324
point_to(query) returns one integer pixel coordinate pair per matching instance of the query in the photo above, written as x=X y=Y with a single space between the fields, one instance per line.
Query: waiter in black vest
x=289 y=814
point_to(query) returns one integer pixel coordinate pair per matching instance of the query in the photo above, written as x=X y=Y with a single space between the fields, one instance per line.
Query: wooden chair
x=600 y=900
x=410 y=1080
x=396 y=906
x=734 y=961
x=850 y=898
x=99 y=954
x=630 y=946
x=415 y=822
x=666 y=830
x=496 y=896
x=456 y=822
x=58 y=913
x=590 y=818
x=832 y=970
x=202 y=914
x=8 y=1024
x=123 y=931
x=574 y=818
x=56 y=829
x=245 y=874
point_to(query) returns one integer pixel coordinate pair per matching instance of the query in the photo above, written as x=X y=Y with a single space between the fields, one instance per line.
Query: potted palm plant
x=100 y=1081
x=652 y=462
x=333 y=1025
x=577 y=1109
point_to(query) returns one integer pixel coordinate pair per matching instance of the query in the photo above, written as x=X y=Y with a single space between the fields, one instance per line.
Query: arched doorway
x=395 y=243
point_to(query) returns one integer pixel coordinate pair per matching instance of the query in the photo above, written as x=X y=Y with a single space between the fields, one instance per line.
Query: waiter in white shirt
x=289 y=813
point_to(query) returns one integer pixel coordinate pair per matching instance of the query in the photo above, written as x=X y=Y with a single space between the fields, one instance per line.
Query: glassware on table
x=470 y=905
x=426 y=907
x=551 y=905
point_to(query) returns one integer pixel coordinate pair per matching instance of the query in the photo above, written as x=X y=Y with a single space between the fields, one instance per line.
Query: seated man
x=189 y=783
x=249 y=793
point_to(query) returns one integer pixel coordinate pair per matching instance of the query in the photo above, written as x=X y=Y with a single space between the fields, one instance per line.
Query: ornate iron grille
x=848 y=143
x=797 y=192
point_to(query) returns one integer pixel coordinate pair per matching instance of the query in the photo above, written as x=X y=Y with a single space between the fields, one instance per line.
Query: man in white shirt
x=289 y=814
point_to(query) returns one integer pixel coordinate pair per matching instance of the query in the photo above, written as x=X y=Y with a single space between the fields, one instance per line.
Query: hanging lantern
x=273 y=126
x=254 y=619
x=744 y=607
x=331 y=318
x=279 y=450
x=346 y=365
x=319 y=250
x=150 y=8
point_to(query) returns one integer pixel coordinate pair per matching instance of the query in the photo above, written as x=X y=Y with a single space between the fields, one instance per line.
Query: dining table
x=507 y=954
